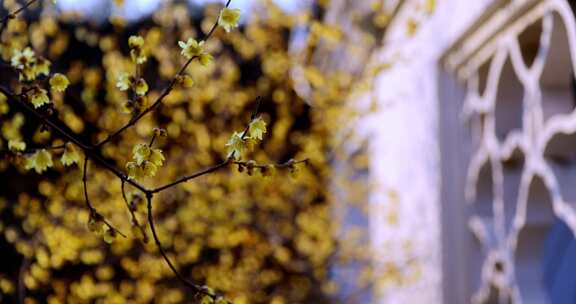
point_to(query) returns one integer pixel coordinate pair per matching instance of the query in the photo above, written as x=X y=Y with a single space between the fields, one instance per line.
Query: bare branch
x=160 y=98
x=216 y=167
x=133 y=214
x=192 y=176
x=261 y=166
x=12 y=15
x=195 y=287
x=30 y=150
x=93 y=212
x=69 y=136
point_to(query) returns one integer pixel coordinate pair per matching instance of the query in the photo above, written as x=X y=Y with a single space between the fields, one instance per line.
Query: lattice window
x=521 y=181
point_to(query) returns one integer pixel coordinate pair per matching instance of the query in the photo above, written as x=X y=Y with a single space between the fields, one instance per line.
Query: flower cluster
x=240 y=142
x=250 y=167
x=224 y=213
x=16 y=145
x=40 y=161
x=185 y=81
x=126 y=82
x=97 y=225
x=145 y=162
x=137 y=51
x=195 y=49
x=29 y=65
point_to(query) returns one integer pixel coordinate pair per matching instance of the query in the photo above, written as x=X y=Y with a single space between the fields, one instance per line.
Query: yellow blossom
x=134 y=171
x=156 y=157
x=28 y=73
x=140 y=153
x=137 y=52
x=42 y=67
x=185 y=81
x=430 y=6
x=95 y=225
x=141 y=87
x=39 y=161
x=138 y=56
x=70 y=155
x=145 y=161
x=59 y=82
x=16 y=145
x=109 y=236
x=4 y=108
x=411 y=27
x=146 y=169
x=149 y=169
x=39 y=97
x=236 y=145
x=257 y=128
x=191 y=48
x=135 y=42
x=124 y=81
x=24 y=58
x=229 y=18
x=206 y=59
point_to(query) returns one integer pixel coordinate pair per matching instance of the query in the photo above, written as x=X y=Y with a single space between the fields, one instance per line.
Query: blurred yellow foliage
x=251 y=232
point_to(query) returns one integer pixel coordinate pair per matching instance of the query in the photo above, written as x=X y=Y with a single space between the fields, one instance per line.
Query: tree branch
x=164 y=93
x=131 y=209
x=4 y=21
x=29 y=150
x=195 y=287
x=93 y=212
x=69 y=136
x=192 y=176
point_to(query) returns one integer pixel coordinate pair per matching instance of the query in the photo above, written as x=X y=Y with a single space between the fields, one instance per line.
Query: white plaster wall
x=404 y=147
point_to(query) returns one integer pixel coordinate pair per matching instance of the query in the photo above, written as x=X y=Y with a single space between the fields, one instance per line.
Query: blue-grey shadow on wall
x=559 y=262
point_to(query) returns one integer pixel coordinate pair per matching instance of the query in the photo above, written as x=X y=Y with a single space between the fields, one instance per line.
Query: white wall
x=405 y=145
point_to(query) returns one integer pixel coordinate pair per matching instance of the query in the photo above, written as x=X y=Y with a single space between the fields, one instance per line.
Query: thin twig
x=284 y=165
x=216 y=167
x=215 y=24
x=4 y=21
x=70 y=137
x=195 y=287
x=92 y=152
x=133 y=214
x=93 y=212
x=152 y=140
x=160 y=98
x=30 y=150
x=192 y=176
x=252 y=116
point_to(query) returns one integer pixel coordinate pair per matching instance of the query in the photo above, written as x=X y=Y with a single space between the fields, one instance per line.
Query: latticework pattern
x=519 y=70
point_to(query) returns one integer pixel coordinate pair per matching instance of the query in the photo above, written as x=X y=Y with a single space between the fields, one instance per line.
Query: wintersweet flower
x=59 y=82
x=70 y=156
x=191 y=48
x=236 y=145
x=229 y=18
x=257 y=128
x=39 y=97
x=39 y=161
